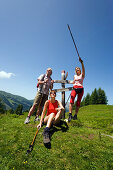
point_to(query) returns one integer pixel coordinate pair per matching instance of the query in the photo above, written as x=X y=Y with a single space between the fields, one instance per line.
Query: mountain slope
x=12 y=101
x=87 y=143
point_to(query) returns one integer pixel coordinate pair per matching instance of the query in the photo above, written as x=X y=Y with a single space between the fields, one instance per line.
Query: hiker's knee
x=52 y=115
x=59 y=114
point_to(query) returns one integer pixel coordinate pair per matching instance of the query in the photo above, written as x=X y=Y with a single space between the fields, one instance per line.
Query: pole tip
x=68 y=26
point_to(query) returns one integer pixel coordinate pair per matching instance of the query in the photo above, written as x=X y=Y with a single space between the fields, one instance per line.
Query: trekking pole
x=31 y=145
x=67 y=99
x=73 y=40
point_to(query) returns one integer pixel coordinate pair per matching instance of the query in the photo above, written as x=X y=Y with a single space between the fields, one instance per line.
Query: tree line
x=18 y=110
x=98 y=96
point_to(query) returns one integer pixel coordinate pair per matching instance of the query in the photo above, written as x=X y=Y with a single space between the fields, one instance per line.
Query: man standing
x=45 y=83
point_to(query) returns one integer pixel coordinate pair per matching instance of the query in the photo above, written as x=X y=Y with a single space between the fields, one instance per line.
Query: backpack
x=41 y=80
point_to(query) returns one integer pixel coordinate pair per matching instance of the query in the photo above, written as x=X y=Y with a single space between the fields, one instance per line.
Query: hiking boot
x=75 y=117
x=70 y=117
x=36 y=119
x=46 y=138
x=27 y=120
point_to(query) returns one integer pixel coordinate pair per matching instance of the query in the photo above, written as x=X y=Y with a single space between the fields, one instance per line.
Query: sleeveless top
x=78 y=81
x=51 y=107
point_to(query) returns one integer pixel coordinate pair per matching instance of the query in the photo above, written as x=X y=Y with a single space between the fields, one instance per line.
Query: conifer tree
x=102 y=99
x=19 y=109
x=2 y=107
x=11 y=111
x=87 y=99
x=94 y=97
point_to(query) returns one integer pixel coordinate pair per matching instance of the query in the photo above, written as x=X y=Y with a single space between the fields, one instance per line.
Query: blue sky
x=34 y=36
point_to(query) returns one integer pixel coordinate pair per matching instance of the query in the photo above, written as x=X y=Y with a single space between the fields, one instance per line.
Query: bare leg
x=70 y=107
x=49 y=119
x=31 y=110
x=57 y=117
x=77 y=109
x=46 y=133
x=39 y=111
x=70 y=112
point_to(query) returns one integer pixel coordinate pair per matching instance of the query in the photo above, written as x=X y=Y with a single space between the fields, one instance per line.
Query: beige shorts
x=40 y=99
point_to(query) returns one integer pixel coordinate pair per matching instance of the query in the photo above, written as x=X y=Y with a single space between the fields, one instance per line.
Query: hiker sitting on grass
x=54 y=111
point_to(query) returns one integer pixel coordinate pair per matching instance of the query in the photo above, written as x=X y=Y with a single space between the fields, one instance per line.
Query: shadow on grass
x=62 y=126
x=76 y=123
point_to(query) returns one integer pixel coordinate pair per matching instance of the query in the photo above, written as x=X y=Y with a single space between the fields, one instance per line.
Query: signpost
x=63 y=81
x=63 y=93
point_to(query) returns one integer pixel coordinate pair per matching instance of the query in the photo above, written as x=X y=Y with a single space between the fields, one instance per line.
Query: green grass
x=81 y=146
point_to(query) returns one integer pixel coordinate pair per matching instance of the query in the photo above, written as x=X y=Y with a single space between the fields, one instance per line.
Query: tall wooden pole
x=63 y=93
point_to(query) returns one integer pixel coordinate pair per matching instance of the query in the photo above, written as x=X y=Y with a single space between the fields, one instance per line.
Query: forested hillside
x=12 y=101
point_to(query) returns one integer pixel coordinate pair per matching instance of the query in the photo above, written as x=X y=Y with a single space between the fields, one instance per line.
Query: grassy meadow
x=86 y=143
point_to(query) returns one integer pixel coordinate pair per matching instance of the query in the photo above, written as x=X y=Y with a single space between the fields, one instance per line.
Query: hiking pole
x=73 y=40
x=31 y=145
x=68 y=99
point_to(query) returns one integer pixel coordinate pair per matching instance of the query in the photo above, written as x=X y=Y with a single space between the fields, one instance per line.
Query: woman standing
x=77 y=90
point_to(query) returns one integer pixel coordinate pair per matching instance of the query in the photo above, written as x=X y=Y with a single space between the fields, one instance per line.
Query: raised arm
x=83 y=68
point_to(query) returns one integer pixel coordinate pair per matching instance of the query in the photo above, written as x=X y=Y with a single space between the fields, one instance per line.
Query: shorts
x=40 y=99
x=79 y=92
x=51 y=112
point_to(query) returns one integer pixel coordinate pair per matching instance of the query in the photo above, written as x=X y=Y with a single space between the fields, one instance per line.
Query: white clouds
x=3 y=75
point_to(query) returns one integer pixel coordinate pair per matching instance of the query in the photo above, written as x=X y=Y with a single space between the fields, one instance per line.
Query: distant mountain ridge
x=11 y=101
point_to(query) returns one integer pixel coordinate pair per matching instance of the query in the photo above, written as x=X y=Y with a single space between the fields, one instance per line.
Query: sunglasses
x=53 y=93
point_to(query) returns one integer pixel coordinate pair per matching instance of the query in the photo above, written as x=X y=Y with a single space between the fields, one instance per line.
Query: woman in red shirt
x=54 y=109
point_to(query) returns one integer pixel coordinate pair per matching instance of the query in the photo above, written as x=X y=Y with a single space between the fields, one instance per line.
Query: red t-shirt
x=51 y=107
